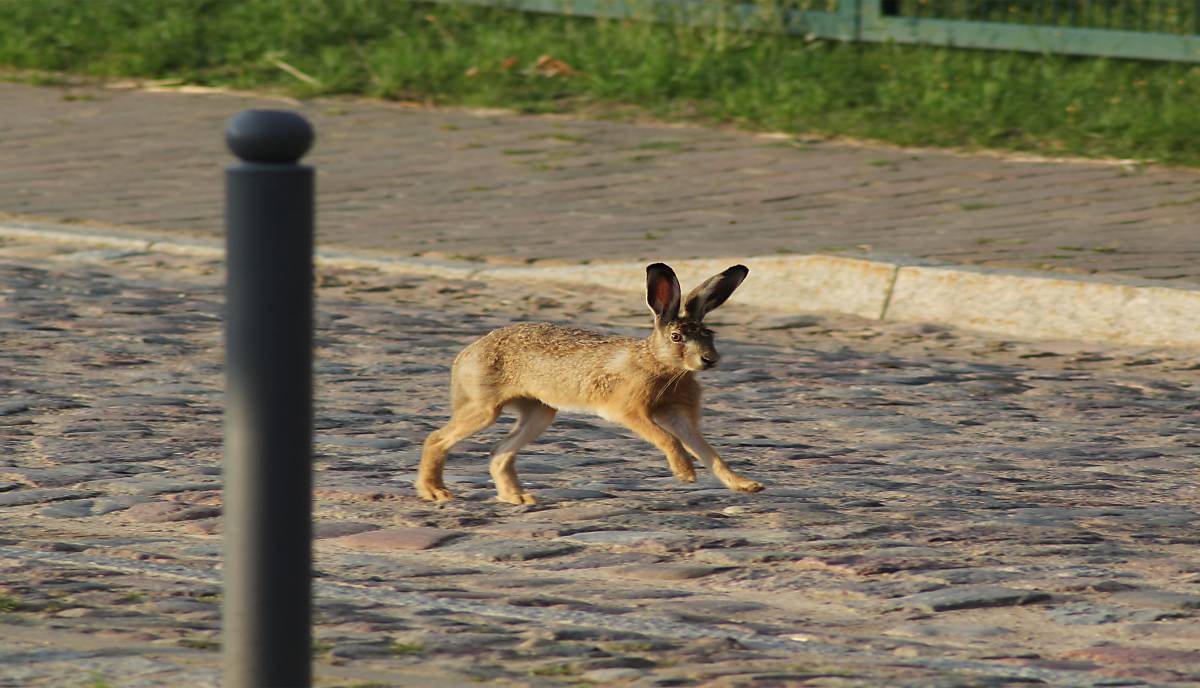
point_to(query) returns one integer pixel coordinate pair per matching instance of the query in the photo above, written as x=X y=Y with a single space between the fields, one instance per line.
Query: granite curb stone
x=1019 y=303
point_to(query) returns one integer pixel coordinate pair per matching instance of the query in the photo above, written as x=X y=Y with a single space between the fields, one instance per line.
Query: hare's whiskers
x=673 y=380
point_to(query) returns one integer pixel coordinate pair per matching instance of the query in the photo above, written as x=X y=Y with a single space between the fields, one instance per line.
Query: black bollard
x=267 y=614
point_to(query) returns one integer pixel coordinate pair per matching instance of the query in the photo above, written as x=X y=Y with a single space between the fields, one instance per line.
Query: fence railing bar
x=1082 y=27
x=1041 y=39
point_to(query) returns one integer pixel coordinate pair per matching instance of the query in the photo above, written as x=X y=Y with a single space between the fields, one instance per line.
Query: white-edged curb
x=1049 y=306
x=1023 y=304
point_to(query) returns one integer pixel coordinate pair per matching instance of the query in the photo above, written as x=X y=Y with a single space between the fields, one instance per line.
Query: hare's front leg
x=680 y=463
x=533 y=417
x=682 y=425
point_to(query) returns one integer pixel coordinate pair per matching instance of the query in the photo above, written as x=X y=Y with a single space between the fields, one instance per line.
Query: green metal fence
x=1145 y=29
x=1138 y=29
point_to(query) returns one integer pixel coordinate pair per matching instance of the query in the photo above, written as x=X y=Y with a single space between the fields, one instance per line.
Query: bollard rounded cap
x=271 y=136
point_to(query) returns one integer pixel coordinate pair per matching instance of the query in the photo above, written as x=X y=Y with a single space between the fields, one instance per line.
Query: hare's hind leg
x=533 y=417
x=464 y=422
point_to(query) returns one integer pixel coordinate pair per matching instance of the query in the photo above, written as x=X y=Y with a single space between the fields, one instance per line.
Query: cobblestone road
x=500 y=186
x=942 y=509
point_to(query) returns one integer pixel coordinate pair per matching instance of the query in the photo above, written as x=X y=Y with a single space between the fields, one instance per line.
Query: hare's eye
x=676 y=337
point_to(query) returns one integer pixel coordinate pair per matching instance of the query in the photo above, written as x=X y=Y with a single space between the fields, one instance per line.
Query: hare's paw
x=687 y=475
x=683 y=468
x=517 y=498
x=434 y=493
x=744 y=485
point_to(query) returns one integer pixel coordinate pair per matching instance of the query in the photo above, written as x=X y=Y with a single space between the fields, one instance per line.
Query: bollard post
x=266 y=631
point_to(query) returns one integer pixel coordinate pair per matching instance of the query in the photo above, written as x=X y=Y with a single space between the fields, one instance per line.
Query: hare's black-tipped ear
x=713 y=292
x=662 y=293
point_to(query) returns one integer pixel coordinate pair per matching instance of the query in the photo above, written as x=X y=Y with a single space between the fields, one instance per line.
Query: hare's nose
x=709 y=360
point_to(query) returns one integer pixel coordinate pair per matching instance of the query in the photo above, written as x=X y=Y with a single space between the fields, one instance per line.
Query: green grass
x=978 y=205
x=460 y=55
x=398 y=648
x=9 y=603
x=199 y=643
x=554 y=670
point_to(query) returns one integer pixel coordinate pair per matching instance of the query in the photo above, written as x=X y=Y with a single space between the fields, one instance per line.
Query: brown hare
x=647 y=385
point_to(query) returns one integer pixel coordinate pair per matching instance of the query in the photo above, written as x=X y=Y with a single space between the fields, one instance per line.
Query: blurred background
x=1098 y=78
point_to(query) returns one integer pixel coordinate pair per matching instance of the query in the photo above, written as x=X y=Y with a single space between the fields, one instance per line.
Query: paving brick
x=388 y=539
x=908 y=468
x=455 y=182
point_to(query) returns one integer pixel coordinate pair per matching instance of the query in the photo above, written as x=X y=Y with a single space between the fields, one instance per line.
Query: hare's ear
x=662 y=293
x=713 y=292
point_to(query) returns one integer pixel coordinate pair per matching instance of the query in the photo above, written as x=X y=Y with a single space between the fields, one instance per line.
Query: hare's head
x=680 y=339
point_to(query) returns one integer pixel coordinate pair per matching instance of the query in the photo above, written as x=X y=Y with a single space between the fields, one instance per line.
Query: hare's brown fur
x=647 y=385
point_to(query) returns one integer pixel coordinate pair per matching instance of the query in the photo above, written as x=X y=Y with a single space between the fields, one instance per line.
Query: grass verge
x=446 y=54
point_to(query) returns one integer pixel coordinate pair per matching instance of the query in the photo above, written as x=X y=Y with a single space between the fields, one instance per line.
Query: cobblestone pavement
x=501 y=186
x=942 y=509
